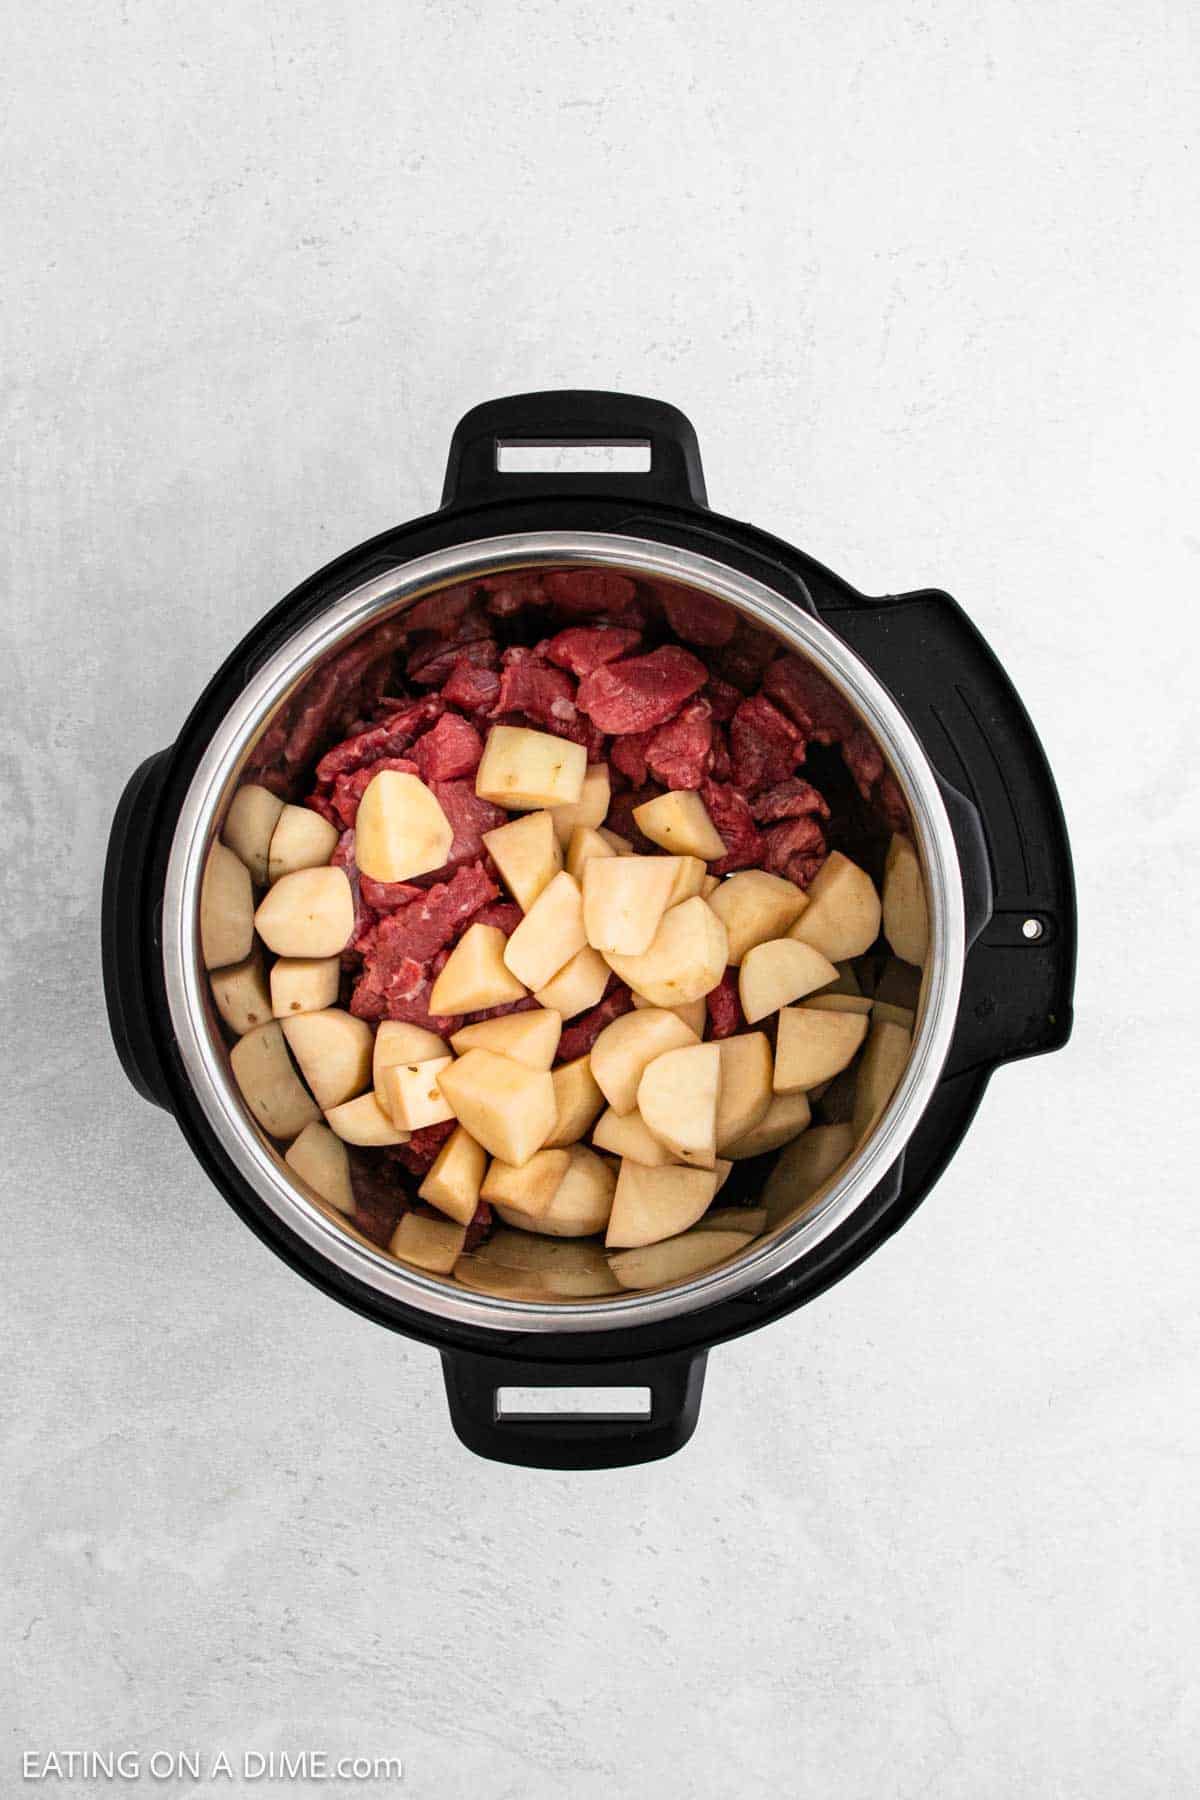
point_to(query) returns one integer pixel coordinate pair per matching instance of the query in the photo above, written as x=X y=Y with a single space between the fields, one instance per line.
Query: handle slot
x=573 y=1403
x=533 y=456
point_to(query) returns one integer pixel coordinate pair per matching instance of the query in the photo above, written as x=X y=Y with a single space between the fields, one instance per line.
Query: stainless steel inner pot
x=204 y=1054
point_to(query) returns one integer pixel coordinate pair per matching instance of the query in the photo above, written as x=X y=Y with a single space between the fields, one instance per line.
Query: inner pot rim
x=186 y=981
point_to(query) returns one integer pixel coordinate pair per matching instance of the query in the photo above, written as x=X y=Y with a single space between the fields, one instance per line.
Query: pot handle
x=500 y=1407
x=125 y=926
x=492 y=438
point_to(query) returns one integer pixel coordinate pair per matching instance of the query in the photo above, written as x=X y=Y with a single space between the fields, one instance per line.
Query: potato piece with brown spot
x=528 y=855
x=310 y=913
x=400 y=830
x=240 y=994
x=452 y=1184
x=302 y=839
x=249 y=824
x=303 y=984
x=525 y=770
x=434 y=1245
x=334 y=1052
x=269 y=1084
x=226 y=909
x=319 y=1158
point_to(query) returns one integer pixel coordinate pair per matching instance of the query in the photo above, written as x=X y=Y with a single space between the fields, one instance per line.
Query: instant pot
x=985 y=819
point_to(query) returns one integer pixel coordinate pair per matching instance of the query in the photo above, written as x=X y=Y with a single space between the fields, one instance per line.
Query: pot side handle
x=491 y=438
x=125 y=927
x=502 y=1409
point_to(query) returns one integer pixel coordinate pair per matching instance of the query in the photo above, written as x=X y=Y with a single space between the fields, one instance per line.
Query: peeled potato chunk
x=750 y=1219
x=627 y=1134
x=484 y=1277
x=895 y=1015
x=431 y=1244
x=621 y=845
x=411 y=1095
x=651 y=1204
x=585 y=843
x=745 y=1090
x=685 y=961
x=528 y=855
x=578 y=986
x=524 y=1267
x=624 y=898
x=319 y=1157
x=677 y=1098
x=549 y=935
x=302 y=984
x=452 y=1184
x=591 y=808
x=524 y=769
x=680 y=822
x=240 y=994
x=776 y=973
x=578 y=1099
x=364 y=1122
x=398 y=1042
x=475 y=976
x=528 y=1187
x=813 y=1046
x=226 y=909
x=401 y=830
x=270 y=1085
x=709 y=885
x=786 y=1117
x=804 y=1167
x=506 y=1107
x=624 y=1048
x=689 y=880
x=302 y=839
x=528 y=1037
x=334 y=1052
x=581 y=1201
x=850 y=1003
x=879 y=1072
x=905 y=915
x=309 y=913
x=694 y=1013
x=842 y=917
x=249 y=824
x=755 y=907
x=677 y=1259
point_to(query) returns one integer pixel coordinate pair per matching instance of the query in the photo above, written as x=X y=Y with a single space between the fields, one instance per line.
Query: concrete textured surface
x=924 y=278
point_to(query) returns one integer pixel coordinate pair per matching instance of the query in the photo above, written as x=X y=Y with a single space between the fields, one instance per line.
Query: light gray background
x=925 y=279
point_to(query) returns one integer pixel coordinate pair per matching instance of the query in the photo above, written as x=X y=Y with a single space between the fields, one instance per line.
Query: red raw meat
x=795 y=848
x=531 y=685
x=764 y=744
x=387 y=896
x=419 y=930
x=642 y=692
x=451 y=749
x=343 y=689
x=587 y=591
x=802 y=692
x=479 y=1227
x=470 y=686
x=725 y=1016
x=469 y=817
x=430 y=664
x=582 y=1032
x=348 y=790
x=442 y=612
x=862 y=757
x=744 y=658
x=620 y=813
x=679 y=753
x=792 y=799
x=890 y=804
x=732 y=817
x=582 y=648
x=722 y=766
x=628 y=756
x=512 y=593
x=379 y=1198
x=723 y=697
x=390 y=737
x=505 y=915
x=698 y=618
x=420 y=1152
x=580 y=731
x=528 y=1004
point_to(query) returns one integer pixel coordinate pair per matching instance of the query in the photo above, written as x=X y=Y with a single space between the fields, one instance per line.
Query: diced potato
x=689 y=880
x=685 y=961
x=302 y=984
x=412 y=1097
x=549 y=935
x=842 y=917
x=319 y=1157
x=677 y=1098
x=905 y=915
x=848 y=981
x=506 y=1107
x=483 y=1277
x=879 y=1073
x=452 y=1184
x=523 y=769
x=627 y=1134
x=528 y=1187
x=581 y=1201
x=302 y=839
x=475 y=976
x=624 y=898
x=269 y=1084
x=786 y=1117
x=431 y=1244
x=745 y=1091
x=401 y=829
x=364 y=1122
x=334 y=1052
x=849 y=1003
x=776 y=973
x=895 y=1015
x=624 y=1048
x=528 y=1037
x=694 y=1013
x=680 y=822
x=578 y=1100
x=585 y=843
x=621 y=845
x=240 y=994
x=308 y=913
x=398 y=1042
x=226 y=909
x=804 y=1167
x=590 y=809
x=813 y=1046
x=578 y=986
x=252 y=817
x=755 y=907
x=750 y=1219
x=651 y=1204
x=709 y=886
x=528 y=855
x=521 y=1266
x=677 y=1259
